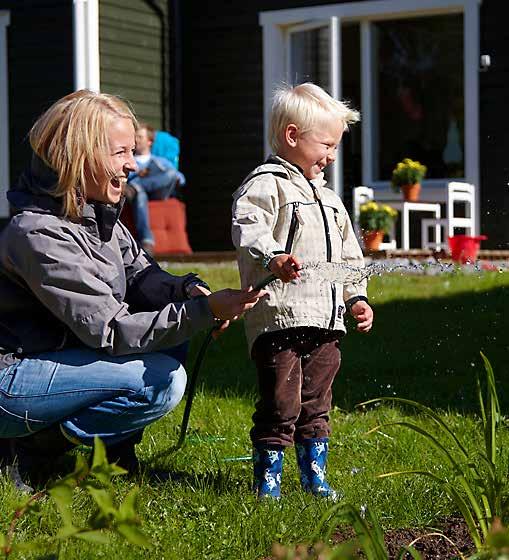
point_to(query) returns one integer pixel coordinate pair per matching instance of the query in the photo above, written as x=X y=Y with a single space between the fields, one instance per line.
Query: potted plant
x=407 y=177
x=375 y=220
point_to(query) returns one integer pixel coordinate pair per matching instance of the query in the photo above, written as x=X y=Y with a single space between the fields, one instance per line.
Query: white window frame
x=275 y=25
x=86 y=45
x=5 y=21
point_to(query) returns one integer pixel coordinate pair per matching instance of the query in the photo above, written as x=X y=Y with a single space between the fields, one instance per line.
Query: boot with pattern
x=312 y=461
x=268 y=470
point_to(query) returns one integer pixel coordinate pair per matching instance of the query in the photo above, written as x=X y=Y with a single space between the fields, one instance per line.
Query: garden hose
x=196 y=370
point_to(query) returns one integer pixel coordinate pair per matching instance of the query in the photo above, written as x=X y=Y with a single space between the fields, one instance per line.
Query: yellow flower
x=369 y=207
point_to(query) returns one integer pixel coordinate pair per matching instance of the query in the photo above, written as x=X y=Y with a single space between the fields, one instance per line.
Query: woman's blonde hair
x=71 y=137
x=305 y=105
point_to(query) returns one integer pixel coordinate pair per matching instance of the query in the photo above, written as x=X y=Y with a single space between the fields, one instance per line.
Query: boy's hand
x=363 y=314
x=285 y=267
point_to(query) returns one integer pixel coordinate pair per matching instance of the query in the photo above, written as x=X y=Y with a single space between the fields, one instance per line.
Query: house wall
x=223 y=114
x=40 y=67
x=134 y=51
x=222 y=110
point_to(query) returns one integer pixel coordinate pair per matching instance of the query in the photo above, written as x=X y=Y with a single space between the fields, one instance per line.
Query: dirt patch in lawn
x=429 y=544
x=432 y=546
x=455 y=541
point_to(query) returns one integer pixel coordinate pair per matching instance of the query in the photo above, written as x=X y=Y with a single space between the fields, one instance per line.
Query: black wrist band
x=267 y=258
x=354 y=300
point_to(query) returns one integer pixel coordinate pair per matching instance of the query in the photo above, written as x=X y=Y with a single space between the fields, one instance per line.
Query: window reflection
x=310 y=62
x=420 y=101
x=310 y=57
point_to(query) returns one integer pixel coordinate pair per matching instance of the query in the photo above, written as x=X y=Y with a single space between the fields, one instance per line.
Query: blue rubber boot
x=268 y=470
x=312 y=461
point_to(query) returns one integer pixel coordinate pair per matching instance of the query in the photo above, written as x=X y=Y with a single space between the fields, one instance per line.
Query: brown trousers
x=296 y=368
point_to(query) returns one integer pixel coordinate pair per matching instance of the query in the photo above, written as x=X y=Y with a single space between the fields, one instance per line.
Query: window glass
x=351 y=92
x=309 y=58
x=419 y=95
x=310 y=62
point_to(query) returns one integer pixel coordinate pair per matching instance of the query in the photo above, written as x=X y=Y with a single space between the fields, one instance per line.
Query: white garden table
x=404 y=208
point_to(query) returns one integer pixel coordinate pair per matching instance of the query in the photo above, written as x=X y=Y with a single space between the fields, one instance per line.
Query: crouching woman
x=87 y=318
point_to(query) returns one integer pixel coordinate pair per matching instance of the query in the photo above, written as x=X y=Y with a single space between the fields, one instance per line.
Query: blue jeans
x=89 y=393
x=158 y=186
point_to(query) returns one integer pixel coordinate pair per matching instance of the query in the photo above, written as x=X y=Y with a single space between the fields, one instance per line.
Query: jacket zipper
x=329 y=252
x=294 y=226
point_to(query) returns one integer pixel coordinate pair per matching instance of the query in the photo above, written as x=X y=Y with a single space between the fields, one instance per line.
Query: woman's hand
x=202 y=291
x=219 y=330
x=199 y=291
x=229 y=304
x=285 y=267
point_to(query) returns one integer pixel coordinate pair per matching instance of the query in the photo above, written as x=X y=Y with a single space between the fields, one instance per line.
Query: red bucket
x=464 y=248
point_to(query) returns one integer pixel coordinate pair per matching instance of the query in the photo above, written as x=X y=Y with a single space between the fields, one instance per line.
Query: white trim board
x=86 y=45
x=275 y=24
x=5 y=21
x=373 y=10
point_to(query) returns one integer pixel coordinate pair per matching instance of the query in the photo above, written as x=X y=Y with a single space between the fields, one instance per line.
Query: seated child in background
x=284 y=215
x=156 y=179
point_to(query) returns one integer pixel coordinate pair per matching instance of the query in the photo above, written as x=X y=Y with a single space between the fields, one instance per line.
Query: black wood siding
x=223 y=113
x=494 y=127
x=40 y=60
x=134 y=48
x=222 y=109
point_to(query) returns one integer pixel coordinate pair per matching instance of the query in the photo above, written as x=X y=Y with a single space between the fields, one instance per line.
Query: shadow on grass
x=424 y=350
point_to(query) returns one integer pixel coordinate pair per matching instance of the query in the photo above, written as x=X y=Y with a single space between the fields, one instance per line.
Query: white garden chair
x=457 y=193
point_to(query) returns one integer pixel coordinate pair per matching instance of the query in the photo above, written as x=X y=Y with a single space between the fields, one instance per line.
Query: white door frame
x=275 y=24
x=86 y=45
x=5 y=20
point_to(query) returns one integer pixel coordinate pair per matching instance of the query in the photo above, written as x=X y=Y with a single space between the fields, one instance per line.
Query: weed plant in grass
x=209 y=511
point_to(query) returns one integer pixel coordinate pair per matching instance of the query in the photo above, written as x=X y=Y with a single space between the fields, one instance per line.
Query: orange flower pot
x=372 y=240
x=411 y=193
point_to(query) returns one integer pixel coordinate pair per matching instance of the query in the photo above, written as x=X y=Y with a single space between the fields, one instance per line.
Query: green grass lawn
x=424 y=346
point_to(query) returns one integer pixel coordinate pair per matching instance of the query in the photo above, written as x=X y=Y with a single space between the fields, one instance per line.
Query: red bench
x=168 y=225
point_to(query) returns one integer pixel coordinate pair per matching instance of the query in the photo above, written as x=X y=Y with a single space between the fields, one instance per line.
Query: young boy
x=283 y=215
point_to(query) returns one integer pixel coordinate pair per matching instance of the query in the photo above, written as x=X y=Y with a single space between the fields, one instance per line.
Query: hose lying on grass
x=196 y=370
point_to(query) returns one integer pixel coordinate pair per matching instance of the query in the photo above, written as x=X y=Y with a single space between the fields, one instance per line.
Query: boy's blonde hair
x=71 y=137
x=304 y=105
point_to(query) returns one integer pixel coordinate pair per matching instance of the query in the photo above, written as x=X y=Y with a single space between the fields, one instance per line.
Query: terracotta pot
x=372 y=240
x=411 y=193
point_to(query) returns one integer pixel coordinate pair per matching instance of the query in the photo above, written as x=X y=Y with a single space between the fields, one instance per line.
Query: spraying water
x=348 y=274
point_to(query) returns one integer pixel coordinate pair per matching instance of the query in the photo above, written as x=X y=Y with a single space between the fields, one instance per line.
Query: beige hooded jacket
x=277 y=210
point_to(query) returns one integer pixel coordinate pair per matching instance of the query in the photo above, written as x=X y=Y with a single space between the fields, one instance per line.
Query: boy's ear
x=291 y=135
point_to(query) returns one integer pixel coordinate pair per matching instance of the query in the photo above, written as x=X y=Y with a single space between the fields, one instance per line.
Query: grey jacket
x=277 y=210
x=66 y=284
